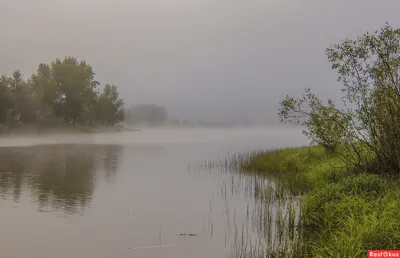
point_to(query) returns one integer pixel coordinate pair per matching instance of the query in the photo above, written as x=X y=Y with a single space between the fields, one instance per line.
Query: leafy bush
x=368 y=67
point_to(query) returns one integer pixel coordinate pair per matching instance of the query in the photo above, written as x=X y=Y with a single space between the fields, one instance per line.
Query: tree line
x=63 y=91
x=149 y=114
x=368 y=127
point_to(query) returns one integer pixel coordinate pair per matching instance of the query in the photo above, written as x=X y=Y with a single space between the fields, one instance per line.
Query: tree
x=5 y=98
x=64 y=91
x=110 y=108
x=368 y=67
x=324 y=124
x=77 y=88
x=17 y=103
x=45 y=90
x=150 y=114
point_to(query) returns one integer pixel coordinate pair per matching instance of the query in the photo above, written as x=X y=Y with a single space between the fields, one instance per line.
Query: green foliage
x=350 y=198
x=64 y=90
x=349 y=217
x=110 y=108
x=346 y=209
x=6 y=101
x=324 y=124
x=77 y=87
x=344 y=212
x=300 y=168
x=368 y=67
x=17 y=104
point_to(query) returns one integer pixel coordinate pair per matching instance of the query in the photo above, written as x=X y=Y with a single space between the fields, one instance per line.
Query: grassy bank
x=344 y=213
x=60 y=128
x=38 y=129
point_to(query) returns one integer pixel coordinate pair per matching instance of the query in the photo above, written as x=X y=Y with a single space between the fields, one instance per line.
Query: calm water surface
x=120 y=195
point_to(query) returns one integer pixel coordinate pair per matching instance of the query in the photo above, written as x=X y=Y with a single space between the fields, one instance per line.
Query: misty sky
x=200 y=58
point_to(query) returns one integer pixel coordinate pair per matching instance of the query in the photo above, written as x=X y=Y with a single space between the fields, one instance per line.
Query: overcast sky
x=199 y=58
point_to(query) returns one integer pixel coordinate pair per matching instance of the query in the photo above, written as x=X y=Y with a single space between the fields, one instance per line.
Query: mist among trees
x=148 y=114
x=62 y=92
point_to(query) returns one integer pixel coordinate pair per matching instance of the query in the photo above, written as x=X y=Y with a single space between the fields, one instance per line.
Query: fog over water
x=215 y=68
x=104 y=195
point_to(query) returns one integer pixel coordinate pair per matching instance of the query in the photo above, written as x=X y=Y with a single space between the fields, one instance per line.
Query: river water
x=126 y=194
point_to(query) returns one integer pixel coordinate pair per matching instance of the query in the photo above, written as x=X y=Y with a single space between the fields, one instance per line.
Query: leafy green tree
x=110 y=107
x=5 y=99
x=24 y=103
x=63 y=91
x=17 y=103
x=323 y=124
x=368 y=67
x=45 y=90
x=77 y=88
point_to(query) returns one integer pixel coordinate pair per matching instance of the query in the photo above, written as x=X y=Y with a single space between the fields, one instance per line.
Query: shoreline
x=34 y=130
x=344 y=212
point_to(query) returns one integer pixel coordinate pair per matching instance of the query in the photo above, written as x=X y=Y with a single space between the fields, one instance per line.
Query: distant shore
x=40 y=130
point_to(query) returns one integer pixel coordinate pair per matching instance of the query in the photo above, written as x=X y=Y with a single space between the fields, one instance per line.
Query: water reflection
x=127 y=198
x=267 y=226
x=110 y=159
x=57 y=177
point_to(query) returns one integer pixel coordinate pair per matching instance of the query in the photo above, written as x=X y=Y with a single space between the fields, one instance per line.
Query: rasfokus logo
x=384 y=253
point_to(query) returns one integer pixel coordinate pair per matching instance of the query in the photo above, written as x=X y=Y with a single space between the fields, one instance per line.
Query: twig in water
x=154 y=246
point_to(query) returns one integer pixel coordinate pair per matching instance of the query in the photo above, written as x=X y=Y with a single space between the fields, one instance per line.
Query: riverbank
x=344 y=213
x=65 y=128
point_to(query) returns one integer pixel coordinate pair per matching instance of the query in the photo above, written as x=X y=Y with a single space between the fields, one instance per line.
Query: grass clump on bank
x=304 y=168
x=344 y=212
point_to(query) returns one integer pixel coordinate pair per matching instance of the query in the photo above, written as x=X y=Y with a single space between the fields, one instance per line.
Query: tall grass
x=344 y=212
x=271 y=227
